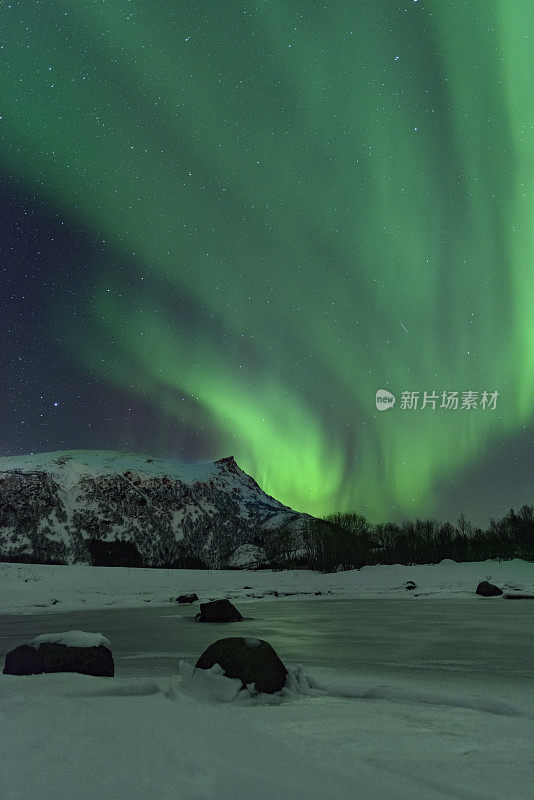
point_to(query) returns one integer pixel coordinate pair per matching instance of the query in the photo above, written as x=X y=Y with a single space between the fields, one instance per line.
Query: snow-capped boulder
x=218 y=611
x=253 y=661
x=73 y=651
x=486 y=589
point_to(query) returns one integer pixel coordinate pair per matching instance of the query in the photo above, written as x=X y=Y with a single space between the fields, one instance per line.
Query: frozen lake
x=467 y=643
x=414 y=699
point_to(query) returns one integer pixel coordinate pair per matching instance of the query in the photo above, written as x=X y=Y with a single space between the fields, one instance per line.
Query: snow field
x=28 y=589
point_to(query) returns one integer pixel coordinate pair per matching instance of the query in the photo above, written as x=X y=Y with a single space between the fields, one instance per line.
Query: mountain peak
x=230 y=463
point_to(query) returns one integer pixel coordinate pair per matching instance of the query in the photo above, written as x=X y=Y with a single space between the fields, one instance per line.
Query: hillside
x=70 y=505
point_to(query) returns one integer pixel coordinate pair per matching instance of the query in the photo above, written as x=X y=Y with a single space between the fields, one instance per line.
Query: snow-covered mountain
x=55 y=506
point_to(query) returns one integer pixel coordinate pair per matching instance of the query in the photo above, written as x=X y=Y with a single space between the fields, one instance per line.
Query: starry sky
x=224 y=226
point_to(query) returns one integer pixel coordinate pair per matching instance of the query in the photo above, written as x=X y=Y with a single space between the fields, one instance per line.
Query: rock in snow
x=73 y=651
x=187 y=598
x=486 y=589
x=218 y=611
x=251 y=660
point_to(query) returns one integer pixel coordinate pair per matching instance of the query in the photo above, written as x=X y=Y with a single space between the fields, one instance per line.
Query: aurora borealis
x=227 y=225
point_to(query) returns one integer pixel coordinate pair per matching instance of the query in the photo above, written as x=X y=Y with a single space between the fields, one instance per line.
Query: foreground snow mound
x=396 y=693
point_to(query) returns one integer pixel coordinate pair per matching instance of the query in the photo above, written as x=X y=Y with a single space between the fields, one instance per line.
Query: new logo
x=384 y=400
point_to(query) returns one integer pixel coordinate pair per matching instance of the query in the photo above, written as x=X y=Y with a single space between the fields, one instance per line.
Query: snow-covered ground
x=74 y=736
x=330 y=734
x=28 y=589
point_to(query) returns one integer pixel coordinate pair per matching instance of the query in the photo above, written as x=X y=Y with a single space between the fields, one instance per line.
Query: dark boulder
x=187 y=598
x=486 y=589
x=250 y=660
x=410 y=586
x=218 y=611
x=48 y=657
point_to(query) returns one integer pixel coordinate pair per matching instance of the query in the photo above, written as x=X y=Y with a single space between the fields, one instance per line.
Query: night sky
x=226 y=225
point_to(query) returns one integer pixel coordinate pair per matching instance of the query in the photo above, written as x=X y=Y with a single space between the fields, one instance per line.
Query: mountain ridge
x=54 y=505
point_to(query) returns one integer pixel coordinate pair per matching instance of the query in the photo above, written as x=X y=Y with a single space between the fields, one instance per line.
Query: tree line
x=343 y=541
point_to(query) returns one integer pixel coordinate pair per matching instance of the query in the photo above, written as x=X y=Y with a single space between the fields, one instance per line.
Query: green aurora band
x=309 y=202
